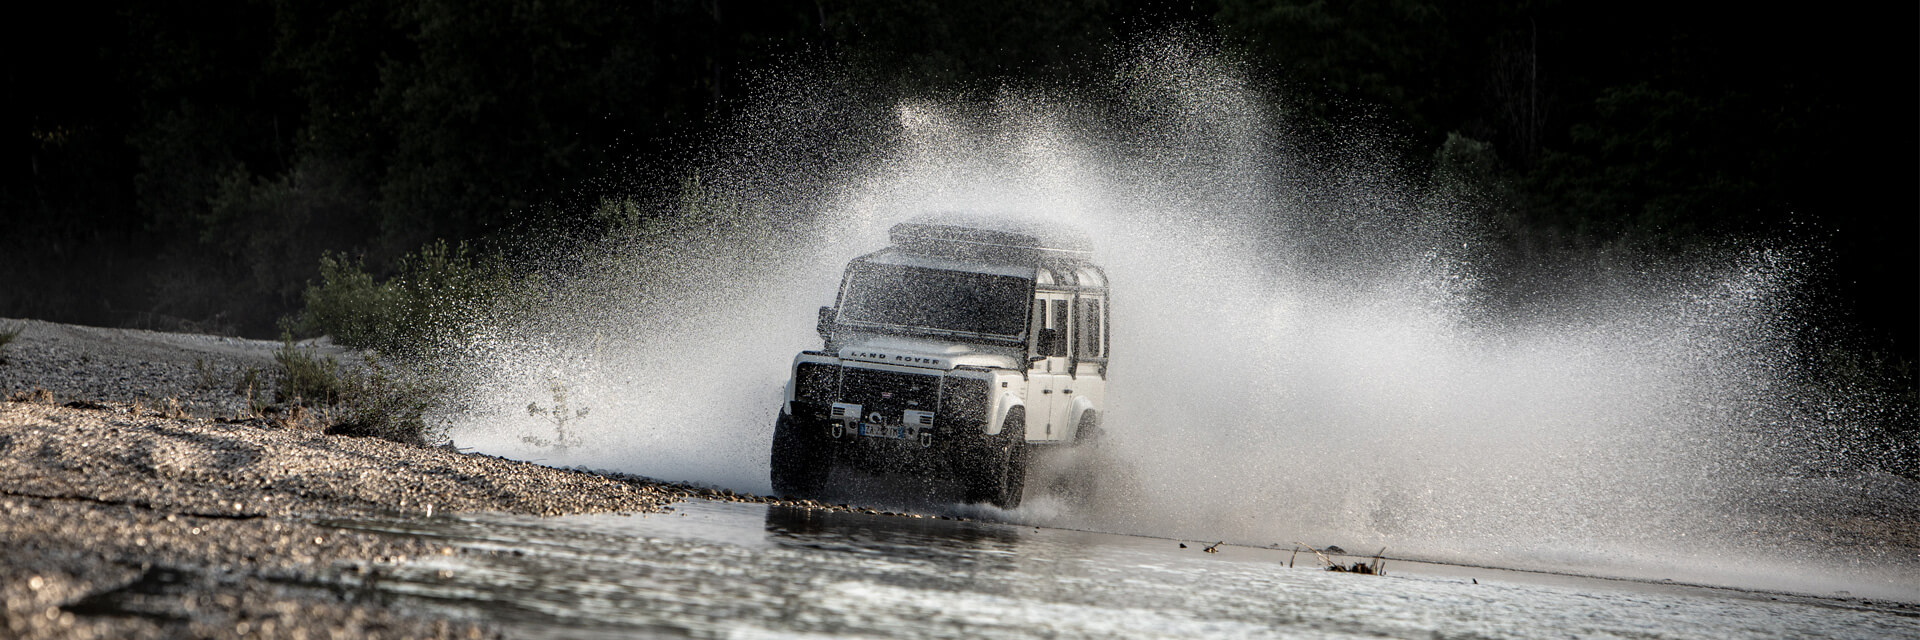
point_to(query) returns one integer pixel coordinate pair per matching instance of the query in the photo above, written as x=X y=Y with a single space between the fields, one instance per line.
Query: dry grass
x=1376 y=567
x=166 y=408
x=39 y=395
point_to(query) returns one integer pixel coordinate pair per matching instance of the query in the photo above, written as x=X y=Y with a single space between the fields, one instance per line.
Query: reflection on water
x=743 y=570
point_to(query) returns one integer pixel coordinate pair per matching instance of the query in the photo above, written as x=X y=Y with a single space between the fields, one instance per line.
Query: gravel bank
x=132 y=505
x=122 y=523
x=206 y=375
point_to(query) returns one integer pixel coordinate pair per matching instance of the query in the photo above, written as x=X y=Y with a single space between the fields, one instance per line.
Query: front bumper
x=933 y=448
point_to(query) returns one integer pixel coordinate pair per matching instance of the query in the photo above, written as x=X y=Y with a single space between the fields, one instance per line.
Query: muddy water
x=745 y=570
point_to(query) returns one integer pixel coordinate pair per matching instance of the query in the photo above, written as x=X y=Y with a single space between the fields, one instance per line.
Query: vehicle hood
x=909 y=351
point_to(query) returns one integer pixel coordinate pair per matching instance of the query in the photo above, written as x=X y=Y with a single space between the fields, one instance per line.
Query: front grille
x=889 y=393
x=814 y=383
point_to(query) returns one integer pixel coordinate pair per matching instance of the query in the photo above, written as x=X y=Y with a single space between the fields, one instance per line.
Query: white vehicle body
x=938 y=344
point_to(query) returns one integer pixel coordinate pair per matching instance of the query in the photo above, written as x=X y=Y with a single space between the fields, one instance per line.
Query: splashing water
x=1307 y=345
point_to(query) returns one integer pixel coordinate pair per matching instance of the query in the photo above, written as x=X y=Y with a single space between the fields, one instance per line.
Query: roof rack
x=991 y=239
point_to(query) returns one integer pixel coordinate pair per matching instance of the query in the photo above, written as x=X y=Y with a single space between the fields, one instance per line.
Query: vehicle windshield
x=922 y=298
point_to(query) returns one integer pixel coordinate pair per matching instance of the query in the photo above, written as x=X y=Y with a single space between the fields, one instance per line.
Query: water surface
x=711 y=569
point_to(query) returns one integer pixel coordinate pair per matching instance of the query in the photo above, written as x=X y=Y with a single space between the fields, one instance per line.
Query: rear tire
x=801 y=459
x=999 y=466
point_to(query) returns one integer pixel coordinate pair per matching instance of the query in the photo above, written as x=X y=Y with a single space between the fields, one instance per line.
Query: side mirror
x=825 y=324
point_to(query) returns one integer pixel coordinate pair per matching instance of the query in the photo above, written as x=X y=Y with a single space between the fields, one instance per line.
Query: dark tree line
x=1651 y=124
x=185 y=165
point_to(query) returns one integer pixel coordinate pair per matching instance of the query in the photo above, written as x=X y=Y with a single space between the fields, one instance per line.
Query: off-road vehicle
x=950 y=354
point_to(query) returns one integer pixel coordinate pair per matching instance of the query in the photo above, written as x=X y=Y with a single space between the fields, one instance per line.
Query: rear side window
x=1088 y=345
x=1052 y=314
x=1039 y=322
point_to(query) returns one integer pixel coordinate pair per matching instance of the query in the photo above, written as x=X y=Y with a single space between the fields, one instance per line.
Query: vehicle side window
x=1089 y=321
x=1040 y=342
x=1050 y=328
x=1060 y=325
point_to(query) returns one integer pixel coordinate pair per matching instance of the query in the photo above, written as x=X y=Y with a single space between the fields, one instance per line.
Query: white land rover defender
x=950 y=354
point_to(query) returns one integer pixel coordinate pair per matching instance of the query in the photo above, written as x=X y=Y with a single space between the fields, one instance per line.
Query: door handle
x=1046 y=391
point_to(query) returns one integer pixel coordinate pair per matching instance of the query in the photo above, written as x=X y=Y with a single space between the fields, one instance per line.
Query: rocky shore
x=198 y=374
x=140 y=497
x=122 y=522
x=133 y=504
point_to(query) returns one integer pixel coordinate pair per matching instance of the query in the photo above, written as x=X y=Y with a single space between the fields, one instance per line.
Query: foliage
x=7 y=334
x=373 y=400
x=273 y=231
x=560 y=414
x=424 y=307
x=1605 y=128
x=349 y=306
x=229 y=144
x=250 y=385
x=305 y=378
x=221 y=147
x=204 y=375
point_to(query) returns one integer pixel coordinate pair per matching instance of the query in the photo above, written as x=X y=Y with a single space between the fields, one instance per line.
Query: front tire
x=801 y=459
x=999 y=474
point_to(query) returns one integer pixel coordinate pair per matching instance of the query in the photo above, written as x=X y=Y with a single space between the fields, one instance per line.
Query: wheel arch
x=1007 y=404
x=1082 y=410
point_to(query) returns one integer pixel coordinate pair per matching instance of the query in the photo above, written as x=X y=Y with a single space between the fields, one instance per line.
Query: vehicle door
x=1088 y=381
x=1050 y=374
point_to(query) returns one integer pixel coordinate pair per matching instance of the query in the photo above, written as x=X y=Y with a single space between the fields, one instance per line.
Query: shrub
x=7 y=334
x=306 y=378
x=348 y=305
x=560 y=414
x=433 y=296
x=372 y=400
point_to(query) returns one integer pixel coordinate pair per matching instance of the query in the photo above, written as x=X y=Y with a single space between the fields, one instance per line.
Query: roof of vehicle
x=1048 y=273
x=895 y=256
x=991 y=237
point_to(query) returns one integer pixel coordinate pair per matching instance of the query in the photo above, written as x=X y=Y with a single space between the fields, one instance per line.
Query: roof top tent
x=1062 y=257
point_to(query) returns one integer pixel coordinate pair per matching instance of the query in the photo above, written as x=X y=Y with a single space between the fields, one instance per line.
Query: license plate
x=883 y=430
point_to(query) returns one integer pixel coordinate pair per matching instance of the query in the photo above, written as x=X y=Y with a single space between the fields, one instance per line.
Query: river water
x=741 y=570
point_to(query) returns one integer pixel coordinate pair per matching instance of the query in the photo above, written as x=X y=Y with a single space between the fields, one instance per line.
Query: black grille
x=888 y=392
x=814 y=383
